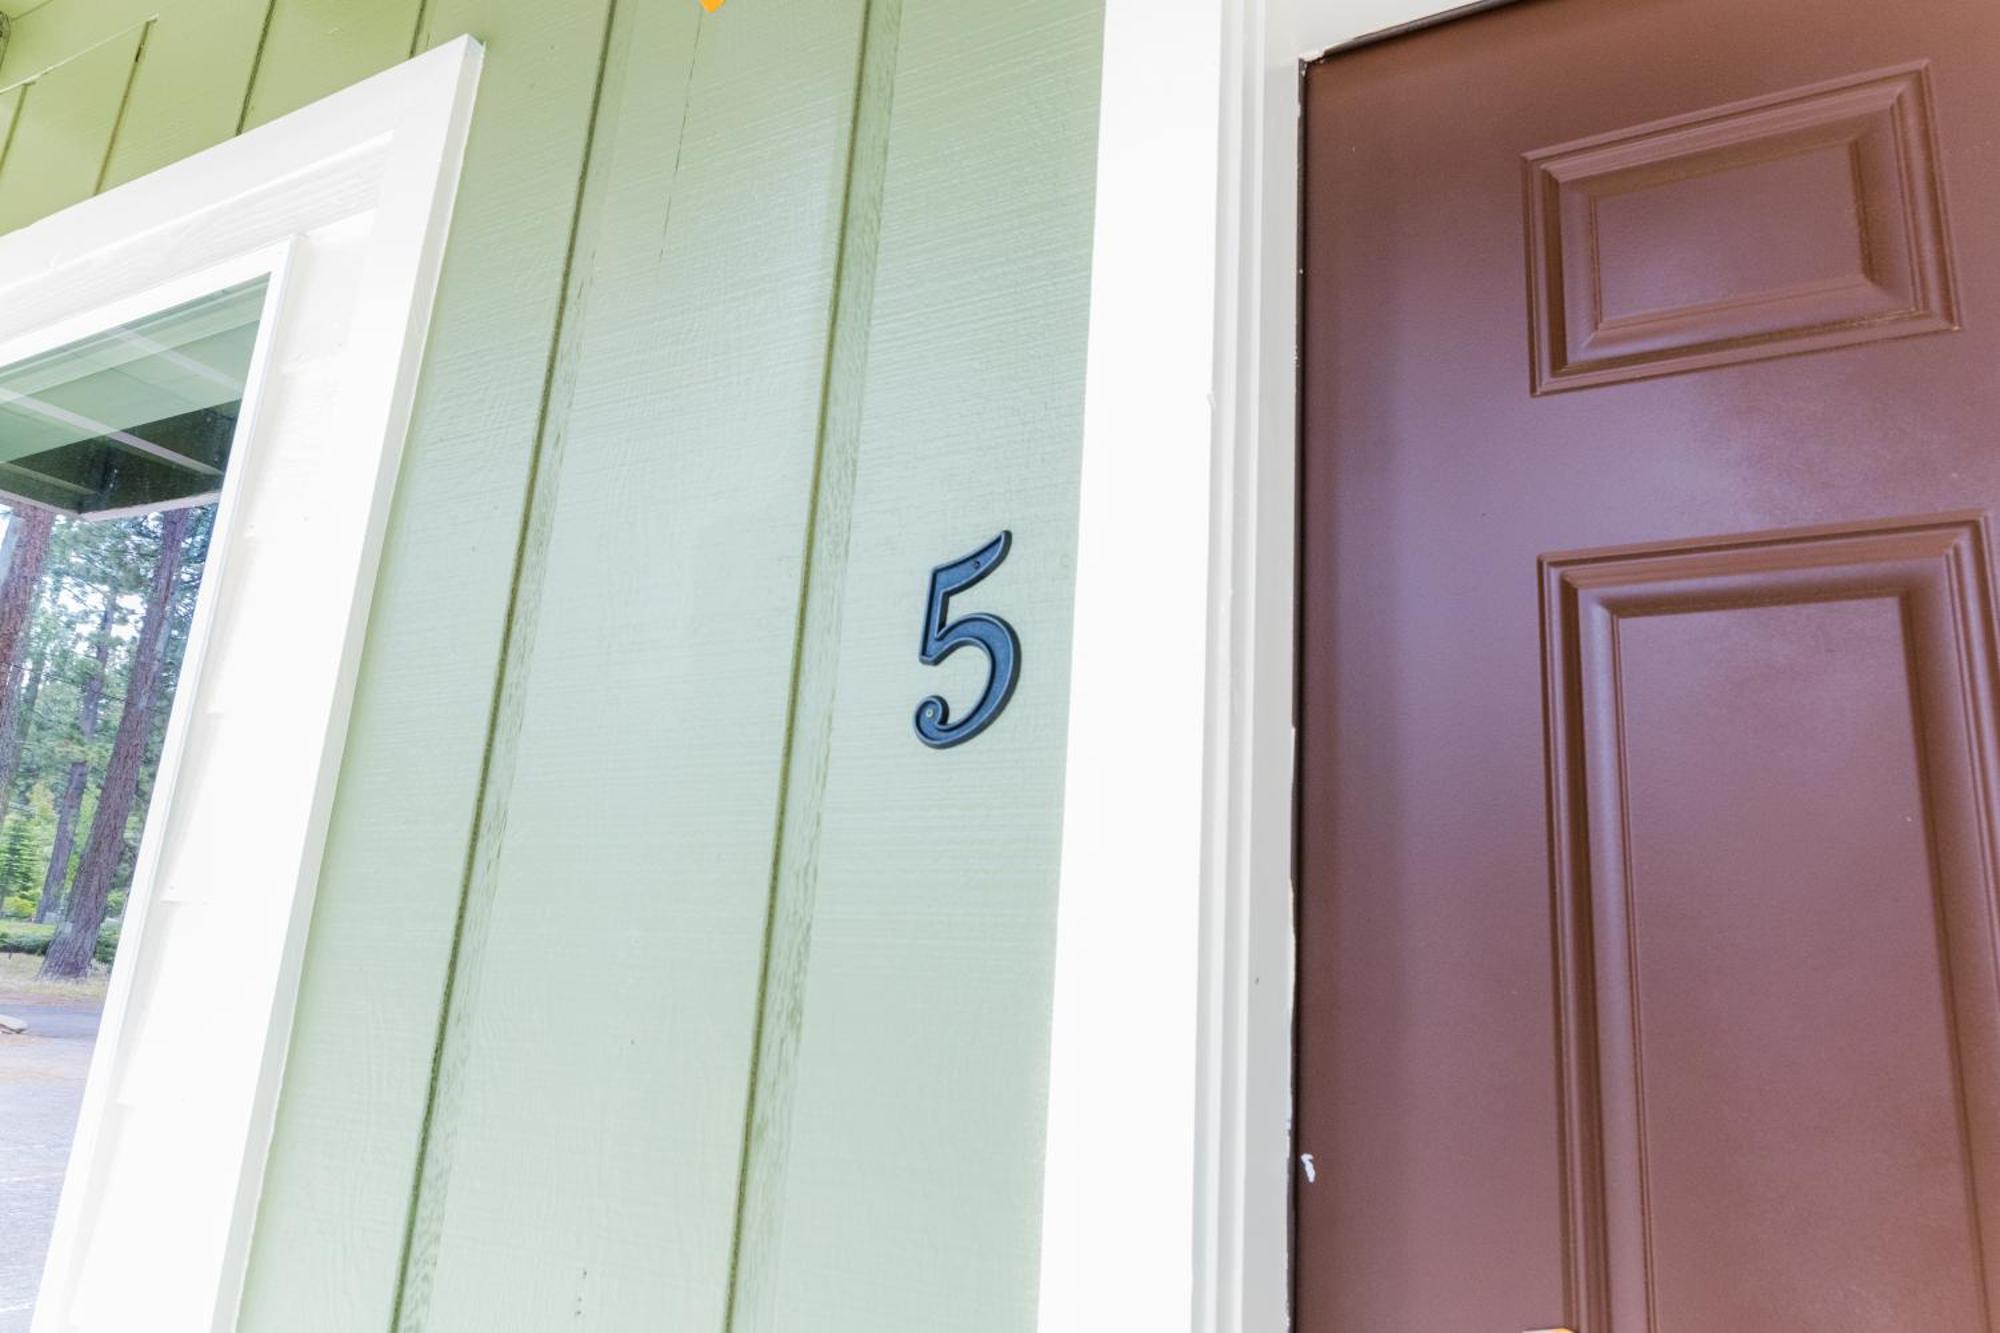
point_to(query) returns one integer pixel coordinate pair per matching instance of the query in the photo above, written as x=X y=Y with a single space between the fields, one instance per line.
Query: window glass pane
x=112 y=451
x=140 y=415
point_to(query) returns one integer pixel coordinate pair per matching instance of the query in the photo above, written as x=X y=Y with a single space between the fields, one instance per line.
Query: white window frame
x=345 y=205
x=1166 y=1198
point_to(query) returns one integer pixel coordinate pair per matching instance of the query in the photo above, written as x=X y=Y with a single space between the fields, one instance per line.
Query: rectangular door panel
x=1809 y=219
x=1771 y=851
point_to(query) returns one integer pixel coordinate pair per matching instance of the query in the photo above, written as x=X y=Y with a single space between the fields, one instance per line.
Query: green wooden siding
x=336 y=1210
x=908 y=1187
x=658 y=977
x=613 y=938
x=314 y=47
x=63 y=126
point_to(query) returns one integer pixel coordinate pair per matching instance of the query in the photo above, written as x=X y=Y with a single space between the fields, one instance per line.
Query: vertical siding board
x=189 y=91
x=816 y=670
x=337 y=1198
x=910 y=1188
x=316 y=47
x=445 y=1116
x=64 y=130
x=605 y=1062
x=59 y=30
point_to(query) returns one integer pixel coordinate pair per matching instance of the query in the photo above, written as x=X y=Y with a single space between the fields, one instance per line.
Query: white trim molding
x=1168 y=1179
x=345 y=205
x=1118 y=1212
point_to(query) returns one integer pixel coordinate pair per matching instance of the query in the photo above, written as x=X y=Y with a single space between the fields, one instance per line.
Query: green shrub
x=27 y=937
x=21 y=908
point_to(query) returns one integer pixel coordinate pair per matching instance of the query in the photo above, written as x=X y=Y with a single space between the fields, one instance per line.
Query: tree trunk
x=16 y=744
x=30 y=551
x=9 y=542
x=17 y=599
x=71 y=803
x=75 y=944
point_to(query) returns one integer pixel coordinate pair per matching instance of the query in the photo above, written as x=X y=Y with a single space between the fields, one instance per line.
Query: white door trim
x=1168 y=1175
x=1117 y=1209
x=346 y=204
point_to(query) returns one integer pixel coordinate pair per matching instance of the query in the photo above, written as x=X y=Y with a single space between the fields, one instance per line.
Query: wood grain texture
x=337 y=1196
x=57 y=31
x=905 y=1191
x=437 y=1148
x=815 y=675
x=65 y=121
x=591 y=1092
x=314 y=47
x=189 y=91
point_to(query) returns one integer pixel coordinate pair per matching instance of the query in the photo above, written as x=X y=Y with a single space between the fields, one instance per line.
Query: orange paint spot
x=711 y=5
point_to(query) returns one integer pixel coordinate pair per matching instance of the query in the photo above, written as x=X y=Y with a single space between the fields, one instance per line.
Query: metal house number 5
x=943 y=637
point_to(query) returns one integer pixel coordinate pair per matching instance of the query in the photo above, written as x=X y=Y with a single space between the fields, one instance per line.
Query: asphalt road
x=41 y=1085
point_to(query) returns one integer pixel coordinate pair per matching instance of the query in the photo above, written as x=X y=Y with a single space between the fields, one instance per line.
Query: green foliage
x=25 y=937
x=24 y=856
x=86 y=613
x=29 y=938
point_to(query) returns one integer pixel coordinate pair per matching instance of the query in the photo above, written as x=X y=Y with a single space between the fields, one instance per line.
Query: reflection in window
x=134 y=418
x=112 y=452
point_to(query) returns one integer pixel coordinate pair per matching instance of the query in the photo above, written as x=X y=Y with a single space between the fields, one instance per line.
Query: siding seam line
x=417 y=35
x=681 y=135
x=802 y=775
x=124 y=105
x=430 y=1178
x=256 y=67
x=39 y=4
x=14 y=125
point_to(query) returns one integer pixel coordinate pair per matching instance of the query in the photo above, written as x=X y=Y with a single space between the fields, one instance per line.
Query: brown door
x=1647 y=812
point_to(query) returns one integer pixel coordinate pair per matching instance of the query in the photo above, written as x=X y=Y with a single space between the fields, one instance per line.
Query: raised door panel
x=1770 y=760
x=1807 y=219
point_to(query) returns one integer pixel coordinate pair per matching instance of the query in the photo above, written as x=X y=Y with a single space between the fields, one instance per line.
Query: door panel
x=1768 y=829
x=1647 y=913
x=1808 y=219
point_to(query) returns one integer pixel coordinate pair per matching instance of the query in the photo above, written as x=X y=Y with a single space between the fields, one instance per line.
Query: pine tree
x=75 y=944
x=70 y=804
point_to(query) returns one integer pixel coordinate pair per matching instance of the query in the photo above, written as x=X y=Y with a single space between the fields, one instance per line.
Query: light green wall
x=659 y=978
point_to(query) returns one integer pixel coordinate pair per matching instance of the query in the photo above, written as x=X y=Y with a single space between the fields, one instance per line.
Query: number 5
x=942 y=639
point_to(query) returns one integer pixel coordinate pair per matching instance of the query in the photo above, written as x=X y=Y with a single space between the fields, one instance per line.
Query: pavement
x=41 y=1086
